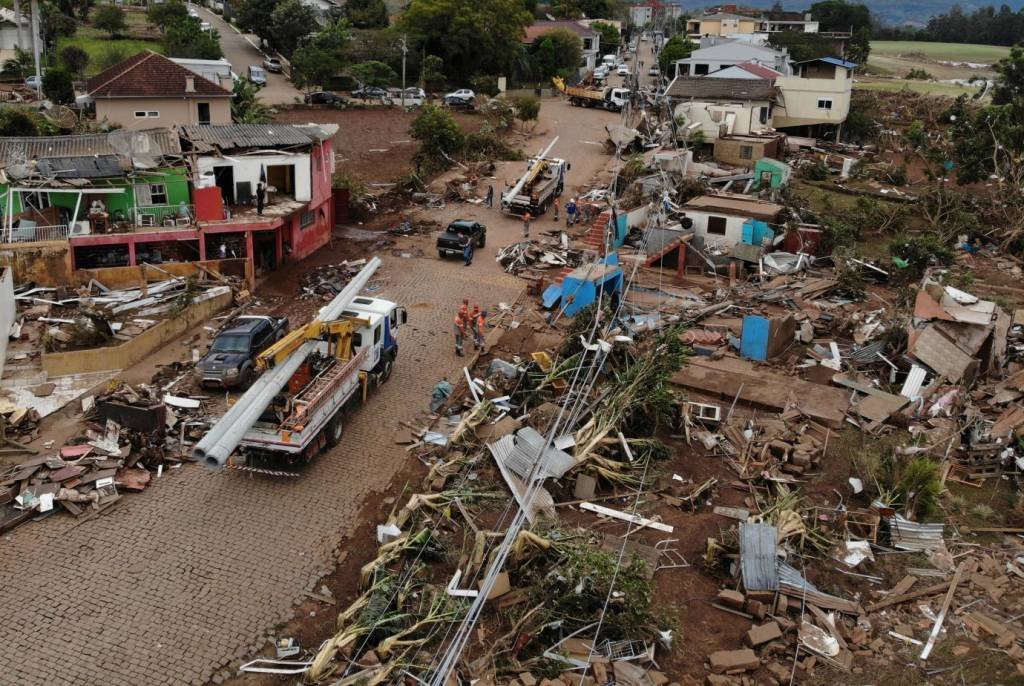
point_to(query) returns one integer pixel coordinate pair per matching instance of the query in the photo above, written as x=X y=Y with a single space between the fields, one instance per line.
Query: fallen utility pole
x=221 y=440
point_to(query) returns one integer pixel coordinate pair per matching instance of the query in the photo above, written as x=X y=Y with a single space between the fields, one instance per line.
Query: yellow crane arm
x=338 y=331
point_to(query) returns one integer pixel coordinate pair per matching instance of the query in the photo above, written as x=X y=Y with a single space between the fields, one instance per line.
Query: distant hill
x=901 y=12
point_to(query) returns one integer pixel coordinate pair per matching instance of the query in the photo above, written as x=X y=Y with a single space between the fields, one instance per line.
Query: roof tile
x=150 y=75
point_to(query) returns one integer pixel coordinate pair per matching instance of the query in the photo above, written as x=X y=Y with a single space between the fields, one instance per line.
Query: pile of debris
x=539 y=254
x=326 y=281
x=130 y=434
x=93 y=315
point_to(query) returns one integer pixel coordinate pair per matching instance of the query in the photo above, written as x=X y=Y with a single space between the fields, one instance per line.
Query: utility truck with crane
x=309 y=380
x=537 y=188
x=607 y=98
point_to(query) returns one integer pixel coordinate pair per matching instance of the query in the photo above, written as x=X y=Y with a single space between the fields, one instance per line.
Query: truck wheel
x=334 y=429
x=386 y=368
x=441 y=254
x=483 y=241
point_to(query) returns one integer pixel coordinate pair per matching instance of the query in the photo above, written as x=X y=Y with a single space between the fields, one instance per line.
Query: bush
x=74 y=59
x=916 y=134
x=485 y=84
x=920 y=252
x=817 y=171
x=110 y=18
x=527 y=108
x=57 y=86
x=439 y=136
x=919 y=75
x=111 y=55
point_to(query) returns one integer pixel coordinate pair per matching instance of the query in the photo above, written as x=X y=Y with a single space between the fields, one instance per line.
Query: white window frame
x=144 y=193
x=824 y=103
x=147 y=114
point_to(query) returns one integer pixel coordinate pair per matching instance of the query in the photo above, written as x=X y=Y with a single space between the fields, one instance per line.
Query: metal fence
x=28 y=234
x=165 y=215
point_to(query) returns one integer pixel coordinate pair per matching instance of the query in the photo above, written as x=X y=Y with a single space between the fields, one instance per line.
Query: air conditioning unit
x=80 y=228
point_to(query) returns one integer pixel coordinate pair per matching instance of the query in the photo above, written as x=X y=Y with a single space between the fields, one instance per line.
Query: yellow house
x=818 y=93
x=721 y=24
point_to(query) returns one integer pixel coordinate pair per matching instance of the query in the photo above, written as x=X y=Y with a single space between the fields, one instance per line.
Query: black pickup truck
x=231 y=360
x=450 y=241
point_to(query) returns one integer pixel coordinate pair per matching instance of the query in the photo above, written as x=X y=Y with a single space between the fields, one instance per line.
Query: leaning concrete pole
x=36 y=47
x=221 y=440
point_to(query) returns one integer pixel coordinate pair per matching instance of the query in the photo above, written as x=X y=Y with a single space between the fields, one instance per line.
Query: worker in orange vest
x=460 y=331
x=479 y=324
x=464 y=310
x=526 y=224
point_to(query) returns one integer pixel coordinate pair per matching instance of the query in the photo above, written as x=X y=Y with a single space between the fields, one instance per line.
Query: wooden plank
x=896 y=600
x=633 y=519
x=942 y=612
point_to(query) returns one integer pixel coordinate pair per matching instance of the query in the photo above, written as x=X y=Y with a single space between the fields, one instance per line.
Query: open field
x=929 y=87
x=97 y=43
x=958 y=52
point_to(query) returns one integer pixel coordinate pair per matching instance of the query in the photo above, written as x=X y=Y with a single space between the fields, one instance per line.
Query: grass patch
x=927 y=87
x=96 y=43
x=955 y=52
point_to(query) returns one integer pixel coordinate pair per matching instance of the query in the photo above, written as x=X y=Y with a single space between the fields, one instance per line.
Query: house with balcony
x=149 y=90
x=721 y=24
x=816 y=98
x=126 y=198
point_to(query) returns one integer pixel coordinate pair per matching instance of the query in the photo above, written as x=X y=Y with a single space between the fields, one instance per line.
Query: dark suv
x=231 y=360
x=322 y=98
x=450 y=242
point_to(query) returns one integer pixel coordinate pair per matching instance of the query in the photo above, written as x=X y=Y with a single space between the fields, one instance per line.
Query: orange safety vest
x=460 y=323
x=481 y=321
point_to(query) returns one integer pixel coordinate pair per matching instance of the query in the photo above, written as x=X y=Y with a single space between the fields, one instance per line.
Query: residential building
x=720 y=107
x=590 y=37
x=718 y=220
x=730 y=20
x=214 y=71
x=644 y=13
x=149 y=90
x=129 y=197
x=721 y=24
x=12 y=36
x=746 y=70
x=641 y=14
x=801 y=22
x=744 y=150
x=818 y=93
x=726 y=53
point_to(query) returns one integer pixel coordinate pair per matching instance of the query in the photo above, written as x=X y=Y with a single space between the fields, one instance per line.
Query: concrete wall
x=133 y=277
x=182 y=111
x=8 y=312
x=247 y=168
x=733 y=228
x=128 y=353
x=47 y=263
x=747 y=116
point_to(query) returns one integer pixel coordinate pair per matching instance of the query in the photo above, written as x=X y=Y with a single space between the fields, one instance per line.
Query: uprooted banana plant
x=640 y=394
x=784 y=514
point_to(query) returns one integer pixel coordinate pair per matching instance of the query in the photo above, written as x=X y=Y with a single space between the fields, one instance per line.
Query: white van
x=608 y=60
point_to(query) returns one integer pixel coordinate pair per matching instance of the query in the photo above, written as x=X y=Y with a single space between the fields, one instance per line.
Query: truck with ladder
x=607 y=98
x=537 y=188
x=309 y=381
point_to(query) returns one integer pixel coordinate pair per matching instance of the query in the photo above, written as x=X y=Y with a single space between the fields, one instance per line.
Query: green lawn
x=958 y=52
x=929 y=87
x=98 y=43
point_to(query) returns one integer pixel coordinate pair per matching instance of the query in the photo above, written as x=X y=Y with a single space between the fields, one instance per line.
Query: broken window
x=307 y=219
x=151 y=194
x=716 y=226
x=746 y=152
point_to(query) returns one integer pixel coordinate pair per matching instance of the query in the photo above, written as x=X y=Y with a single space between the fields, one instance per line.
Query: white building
x=719 y=107
x=726 y=53
x=718 y=219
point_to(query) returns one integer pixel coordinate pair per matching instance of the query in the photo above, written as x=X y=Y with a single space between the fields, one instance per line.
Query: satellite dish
x=65 y=117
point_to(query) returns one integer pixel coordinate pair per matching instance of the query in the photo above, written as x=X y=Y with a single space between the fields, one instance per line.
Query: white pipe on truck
x=223 y=437
x=510 y=195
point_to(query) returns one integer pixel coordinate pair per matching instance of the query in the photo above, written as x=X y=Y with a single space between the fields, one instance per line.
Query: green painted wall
x=174 y=179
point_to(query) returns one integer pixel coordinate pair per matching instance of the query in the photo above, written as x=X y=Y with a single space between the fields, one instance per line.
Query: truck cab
x=617 y=98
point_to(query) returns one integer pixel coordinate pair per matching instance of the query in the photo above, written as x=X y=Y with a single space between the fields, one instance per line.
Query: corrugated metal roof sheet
x=908 y=535
x=148 y=142
x=758 y=560
x=554 y=462
x=234 y=136
x=97 y=167
x=793 y=583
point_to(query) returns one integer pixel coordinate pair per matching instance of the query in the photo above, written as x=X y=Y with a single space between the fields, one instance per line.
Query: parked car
x=654 y=71
x=370 y=93
x=273 y=65
x=193 y=12
x=34 y=82
x=450 y=241
x=231 y=360
x=204 y=26
x=623 y=70
x=461 y=99
x=322 y=98
x=414 y=97
x=257 y=75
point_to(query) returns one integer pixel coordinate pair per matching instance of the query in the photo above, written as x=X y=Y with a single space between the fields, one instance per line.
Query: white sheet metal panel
x=915 y=379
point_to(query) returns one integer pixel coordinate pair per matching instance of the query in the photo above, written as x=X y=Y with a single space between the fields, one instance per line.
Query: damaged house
x=126 y=198
x=720 y=107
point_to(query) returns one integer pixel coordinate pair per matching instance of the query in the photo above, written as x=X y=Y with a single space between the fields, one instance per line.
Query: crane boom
x=223 y=437
x=536 y=168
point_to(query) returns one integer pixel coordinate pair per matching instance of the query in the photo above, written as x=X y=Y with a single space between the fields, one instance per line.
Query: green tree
x=186 y=38
x=15 y=121
x=367 y=14
x=802 y=46
x=591 y=9
x=1009 y=88
x=527 y=109
x=432 y=72
x=610 y=36
x=544 y=57
x=21 y=65
x=678 y=47
x=373 y=73
x=568 y=50
x=70 y=8
x=74 y=59
x=57 y=86
x=254 y=16
x=290 y=22
x=471 y=36
x=839 y=15
x=55 y=23
x=859 y=47
x=110 y=18
x=322 y=57
x=439 y=137
x=110 y=55
x=246 y=107
x=166 y=13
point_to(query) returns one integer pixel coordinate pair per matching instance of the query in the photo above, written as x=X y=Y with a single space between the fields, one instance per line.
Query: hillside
x=901 y=12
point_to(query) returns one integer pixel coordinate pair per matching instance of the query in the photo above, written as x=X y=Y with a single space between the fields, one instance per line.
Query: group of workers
x=469 y=323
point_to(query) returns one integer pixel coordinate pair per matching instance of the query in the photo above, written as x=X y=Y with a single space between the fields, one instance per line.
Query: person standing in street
x=570 y=212
x=479 y=324
x=460 y=332
x=489 y=200
x=526 y=224
x=467 y=251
